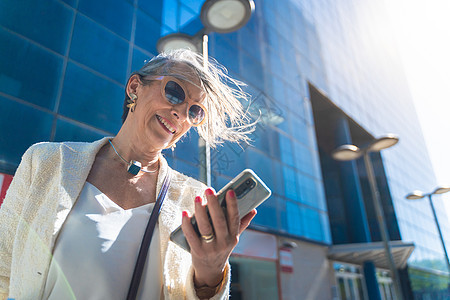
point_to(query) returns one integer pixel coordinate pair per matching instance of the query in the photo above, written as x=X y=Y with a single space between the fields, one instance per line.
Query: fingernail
x=185 y=214
x=209 y=191
x=198 y=199
x=231 y=193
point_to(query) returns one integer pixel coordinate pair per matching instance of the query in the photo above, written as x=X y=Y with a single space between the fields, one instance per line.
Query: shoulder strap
x=143 y=251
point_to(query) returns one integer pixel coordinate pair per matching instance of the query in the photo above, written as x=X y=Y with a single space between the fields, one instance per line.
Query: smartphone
x=250 y=191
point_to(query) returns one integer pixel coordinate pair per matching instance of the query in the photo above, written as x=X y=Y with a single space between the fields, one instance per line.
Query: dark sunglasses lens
x=174 y=92
x=196 y=114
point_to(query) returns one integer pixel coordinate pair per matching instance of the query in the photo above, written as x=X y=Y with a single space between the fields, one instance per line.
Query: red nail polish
x=198 y=199
x=209 y=191
x=231 y=193
x=185 y=214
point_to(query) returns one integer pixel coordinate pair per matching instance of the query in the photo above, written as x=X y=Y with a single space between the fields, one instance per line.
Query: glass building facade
x=64 y=66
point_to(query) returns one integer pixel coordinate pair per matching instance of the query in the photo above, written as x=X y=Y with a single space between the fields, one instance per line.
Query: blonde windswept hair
x=227 y=120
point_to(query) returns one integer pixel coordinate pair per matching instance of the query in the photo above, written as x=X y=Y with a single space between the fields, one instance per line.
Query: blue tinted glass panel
x=300 y=130
x=275 y=62
x=313 y=228
x=99 y=49
x=282 y=214
x=147 y=32
x=267 y=215
x=253 y=24
x=187 y=147
x=264 y=138
x=190 y=22
x=325 y=227
x=69 y=131
x=194 y=5
x=228 y=160
x=70 y=2
x=117 y=15
x=294 y=97
x=290 y=183
x=304 y=159
x=275 y=89
x=187 y=169
x=218 y=181
x=20 y=127
x=294 y=219
x=278 y=179
x=262 y=165
x=321 y=201
x=286 y=150
x=92 y=100
x=252 y=70
x=169 y=156
x=47 y=22
x=225 y=52
x=272 y=38
x=139 y=59
x=249 y=41
x=308 y=190
x=170 y=14
x=27 y=71
x=279 y=117
x=153 y=8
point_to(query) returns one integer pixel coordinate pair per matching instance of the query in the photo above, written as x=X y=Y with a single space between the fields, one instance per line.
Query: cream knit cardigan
x=45 y=187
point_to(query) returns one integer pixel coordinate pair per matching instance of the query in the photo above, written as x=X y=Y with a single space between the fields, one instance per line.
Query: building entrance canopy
x=359 y=253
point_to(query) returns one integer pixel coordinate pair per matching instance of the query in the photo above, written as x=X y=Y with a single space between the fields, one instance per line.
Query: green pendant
x=134 y=167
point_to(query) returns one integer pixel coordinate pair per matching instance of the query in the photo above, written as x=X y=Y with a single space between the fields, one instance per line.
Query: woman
x=74 y=216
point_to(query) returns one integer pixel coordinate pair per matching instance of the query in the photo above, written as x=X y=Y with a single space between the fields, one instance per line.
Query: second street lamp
x=352 y=152
x=415 y=195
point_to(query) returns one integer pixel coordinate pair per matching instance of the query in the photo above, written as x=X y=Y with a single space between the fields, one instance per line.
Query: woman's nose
x=180 y=111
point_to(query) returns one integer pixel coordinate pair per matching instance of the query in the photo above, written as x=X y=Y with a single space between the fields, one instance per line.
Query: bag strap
x=143 y=251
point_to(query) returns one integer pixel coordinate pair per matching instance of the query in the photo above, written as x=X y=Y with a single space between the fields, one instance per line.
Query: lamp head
x=175 y=41
x=346 y=153
x=441 y=190
x=383 y=142
x=225 y=16
x=415 y=195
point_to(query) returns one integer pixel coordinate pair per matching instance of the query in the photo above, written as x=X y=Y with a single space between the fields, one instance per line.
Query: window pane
x=92 y=100
x=294 y=219
x=116 y=15
x=255 y=279
x=187 y=148
x=267 y=215
x=148 y=32
x=27 y=71
x=342 y=289
x=228 y=160
x=48 y=22
x=69 y=131
x=99 y=49
x=21 y=126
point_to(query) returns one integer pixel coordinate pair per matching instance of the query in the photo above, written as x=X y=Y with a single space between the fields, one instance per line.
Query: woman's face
x=158 y=122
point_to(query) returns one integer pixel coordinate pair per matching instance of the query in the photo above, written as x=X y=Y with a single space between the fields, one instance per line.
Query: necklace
x=134 y=167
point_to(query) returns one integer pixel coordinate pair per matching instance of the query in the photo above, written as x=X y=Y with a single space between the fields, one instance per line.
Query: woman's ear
x=133 y=84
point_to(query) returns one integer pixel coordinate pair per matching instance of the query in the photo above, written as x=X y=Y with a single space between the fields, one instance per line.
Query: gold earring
x=132 y=102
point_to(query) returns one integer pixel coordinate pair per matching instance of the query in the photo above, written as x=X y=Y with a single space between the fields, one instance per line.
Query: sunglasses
x=175 y=94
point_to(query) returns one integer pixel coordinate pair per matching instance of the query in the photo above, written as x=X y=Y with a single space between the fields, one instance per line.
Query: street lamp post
x=352 y=152
x=415 y=195
x=222 y=16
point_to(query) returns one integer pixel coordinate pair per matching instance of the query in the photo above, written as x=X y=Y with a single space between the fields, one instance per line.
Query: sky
x=422 y=30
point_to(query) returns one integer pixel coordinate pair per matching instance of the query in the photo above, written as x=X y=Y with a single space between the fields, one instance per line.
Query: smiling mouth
x=165 y=124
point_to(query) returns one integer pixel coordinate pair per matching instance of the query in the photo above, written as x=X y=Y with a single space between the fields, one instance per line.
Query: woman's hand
x=209 y=257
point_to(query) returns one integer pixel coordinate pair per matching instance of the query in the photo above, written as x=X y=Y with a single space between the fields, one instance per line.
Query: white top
x=96 y=251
